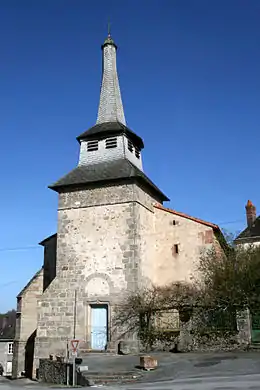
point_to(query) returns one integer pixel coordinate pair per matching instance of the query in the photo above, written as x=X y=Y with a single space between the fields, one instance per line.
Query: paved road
x=212 y=371
x=245 y=382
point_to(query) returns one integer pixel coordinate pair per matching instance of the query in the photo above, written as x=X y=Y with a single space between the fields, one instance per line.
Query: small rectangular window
x=137 y=153
x=92 y=146
x=130 y=146
x=10 y=348
x=111 y=143
x=176 y=248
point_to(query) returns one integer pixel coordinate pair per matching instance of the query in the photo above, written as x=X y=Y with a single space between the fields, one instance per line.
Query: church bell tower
x=104 y=203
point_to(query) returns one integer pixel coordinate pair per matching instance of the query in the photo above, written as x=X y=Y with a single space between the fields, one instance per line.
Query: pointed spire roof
x=111 y=118
x=110 y=104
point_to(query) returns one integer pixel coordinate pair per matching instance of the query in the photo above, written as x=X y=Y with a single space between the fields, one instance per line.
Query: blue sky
x=189 y=76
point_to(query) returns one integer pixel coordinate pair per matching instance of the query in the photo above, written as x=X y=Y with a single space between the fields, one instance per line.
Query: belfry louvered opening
x=92 y=146
x=130 y=146
x=111 y=143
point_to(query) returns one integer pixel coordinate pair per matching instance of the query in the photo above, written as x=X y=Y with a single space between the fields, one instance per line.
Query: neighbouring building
x=6 y=347
x=114 y=235
x=250 y=237
x=26 y=324
x=251 y=234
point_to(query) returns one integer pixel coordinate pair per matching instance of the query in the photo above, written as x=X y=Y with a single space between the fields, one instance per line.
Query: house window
x=176 y=248
x=92 y=146
x=111 y=143
x=10 y=348
x=130 y=146
x=137 y=153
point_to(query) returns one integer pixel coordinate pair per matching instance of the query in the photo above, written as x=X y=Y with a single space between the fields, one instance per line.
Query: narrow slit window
x=111 y=143
x=176 y=249
x=130 y=146
x=92 y=146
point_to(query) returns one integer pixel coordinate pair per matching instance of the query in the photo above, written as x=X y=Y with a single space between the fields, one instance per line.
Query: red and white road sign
x=74 y=345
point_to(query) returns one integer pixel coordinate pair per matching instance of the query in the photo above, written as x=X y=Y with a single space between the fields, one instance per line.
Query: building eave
x=6 y=340
x=43 y=242
x=80 y=186
x=183 y=215
x=108 y=129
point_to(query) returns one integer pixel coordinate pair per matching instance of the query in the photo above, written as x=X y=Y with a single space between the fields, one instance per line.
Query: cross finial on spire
x=109 y=28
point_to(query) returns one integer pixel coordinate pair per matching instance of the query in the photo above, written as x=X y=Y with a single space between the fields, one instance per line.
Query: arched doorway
x=29 y=352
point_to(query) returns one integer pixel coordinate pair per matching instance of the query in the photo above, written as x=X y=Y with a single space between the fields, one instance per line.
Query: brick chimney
x=250 y=213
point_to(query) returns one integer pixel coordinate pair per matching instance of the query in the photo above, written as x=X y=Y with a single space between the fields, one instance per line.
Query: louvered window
x=111 y=143
x=137 y=153
x=130 y=146
x=92 y=146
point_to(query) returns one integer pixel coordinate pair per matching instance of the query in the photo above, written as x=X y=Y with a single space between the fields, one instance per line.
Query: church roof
x=251 y=232
x=209 y=224
x=108 y=129
x=110 y=104
x=106 y=172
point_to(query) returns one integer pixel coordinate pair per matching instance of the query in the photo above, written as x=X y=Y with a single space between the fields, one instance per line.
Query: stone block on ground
x=148 y=362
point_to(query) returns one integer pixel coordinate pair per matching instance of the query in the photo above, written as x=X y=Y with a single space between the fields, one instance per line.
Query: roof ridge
x=180 y=214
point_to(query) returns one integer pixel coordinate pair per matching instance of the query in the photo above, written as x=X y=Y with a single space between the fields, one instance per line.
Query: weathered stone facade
x=26 y=323
x=101 y=266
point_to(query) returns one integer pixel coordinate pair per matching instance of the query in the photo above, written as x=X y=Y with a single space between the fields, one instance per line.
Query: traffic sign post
x=74 y=347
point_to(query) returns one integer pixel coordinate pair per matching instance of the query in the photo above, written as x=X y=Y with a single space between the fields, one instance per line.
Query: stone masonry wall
x=26 y=322
x=97 y=255
x=192 y=239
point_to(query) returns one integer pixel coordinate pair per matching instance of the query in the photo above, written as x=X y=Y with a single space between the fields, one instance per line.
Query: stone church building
x=114 y=235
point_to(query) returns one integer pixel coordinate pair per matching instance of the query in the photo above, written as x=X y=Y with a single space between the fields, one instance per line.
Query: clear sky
x=189 y=76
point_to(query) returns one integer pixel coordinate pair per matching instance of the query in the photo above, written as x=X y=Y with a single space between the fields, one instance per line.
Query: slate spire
x=110 y=103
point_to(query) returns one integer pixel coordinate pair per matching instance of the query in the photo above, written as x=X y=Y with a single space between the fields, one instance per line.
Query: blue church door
x=99 y=322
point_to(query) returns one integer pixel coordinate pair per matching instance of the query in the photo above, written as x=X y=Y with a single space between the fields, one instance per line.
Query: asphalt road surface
x=225 y=371
x=245 y=382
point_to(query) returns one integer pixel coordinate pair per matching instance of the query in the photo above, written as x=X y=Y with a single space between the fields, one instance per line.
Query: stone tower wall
x=97 y=254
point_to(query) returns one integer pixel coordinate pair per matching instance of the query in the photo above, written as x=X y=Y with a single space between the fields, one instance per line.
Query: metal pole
x=68 y=367
x=75 y=314
x=74 y=335
x=74 y=371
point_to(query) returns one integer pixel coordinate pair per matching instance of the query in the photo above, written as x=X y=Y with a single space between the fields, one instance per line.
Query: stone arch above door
x=98 y=284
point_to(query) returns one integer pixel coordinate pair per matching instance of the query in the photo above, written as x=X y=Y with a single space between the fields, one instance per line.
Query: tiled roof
x=108 y=129
x=250 y=232
x=7 y=333
x=106 y=172
x=212 y=225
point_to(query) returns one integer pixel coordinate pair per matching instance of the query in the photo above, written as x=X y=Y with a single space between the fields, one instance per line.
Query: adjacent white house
x=251 y=234
x=6 y=356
